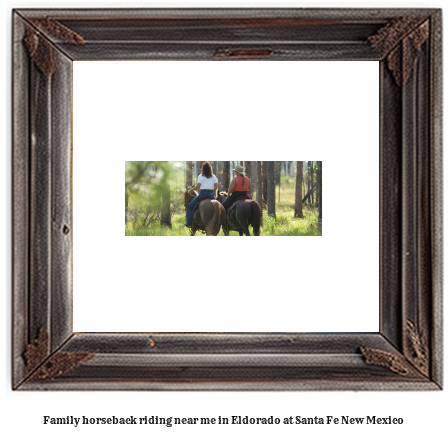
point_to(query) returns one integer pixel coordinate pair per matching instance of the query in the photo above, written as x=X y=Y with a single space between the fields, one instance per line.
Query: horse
x=246 y=212
x=209 y=216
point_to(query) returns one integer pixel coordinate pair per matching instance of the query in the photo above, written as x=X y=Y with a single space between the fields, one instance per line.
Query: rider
x=239 y=186
x=207 y=184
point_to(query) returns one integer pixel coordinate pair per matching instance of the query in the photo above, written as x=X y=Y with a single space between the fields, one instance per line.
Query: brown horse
x=246 y=212
x=208 y=217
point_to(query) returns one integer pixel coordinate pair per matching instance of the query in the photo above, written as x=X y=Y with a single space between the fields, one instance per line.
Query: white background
x=258 y=110
x=424 y=413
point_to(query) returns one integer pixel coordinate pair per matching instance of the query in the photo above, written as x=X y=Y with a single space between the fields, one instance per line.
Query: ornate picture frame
x=406 y=353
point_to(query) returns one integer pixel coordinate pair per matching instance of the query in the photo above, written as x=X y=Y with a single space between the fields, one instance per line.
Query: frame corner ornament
x=401 y=39
x=417 y=348
x=39 y=48
x=37 y=351
x=396 y=363
x=40 y=365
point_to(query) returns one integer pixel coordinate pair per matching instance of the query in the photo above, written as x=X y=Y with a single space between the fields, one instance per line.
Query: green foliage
x=149 y=176
x=268 y=224
x=145 y=181
x=155 y=229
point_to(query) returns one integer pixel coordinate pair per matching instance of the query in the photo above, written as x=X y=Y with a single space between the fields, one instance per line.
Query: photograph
x=223 y=198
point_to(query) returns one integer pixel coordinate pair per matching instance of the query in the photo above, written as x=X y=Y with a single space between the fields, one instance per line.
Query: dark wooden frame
x=406 y=354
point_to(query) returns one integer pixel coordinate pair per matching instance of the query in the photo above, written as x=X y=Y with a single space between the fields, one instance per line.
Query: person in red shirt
x=238 y=187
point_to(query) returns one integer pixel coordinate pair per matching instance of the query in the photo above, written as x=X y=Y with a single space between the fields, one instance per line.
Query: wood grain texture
x=410 y=335
x=40 y=200
x=391 y=235
x=225 y=343
x=416 y=246
x=205 y=51
x=61 y=200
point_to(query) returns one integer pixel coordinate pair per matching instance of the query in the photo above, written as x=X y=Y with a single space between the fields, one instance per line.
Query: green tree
x=271 y=187
x=189 y=174
x=259 y=183
x=147 y=190
x=298 y=211
x=225 y=175
x=264 y=174
x=249 y=175
x=319 y=187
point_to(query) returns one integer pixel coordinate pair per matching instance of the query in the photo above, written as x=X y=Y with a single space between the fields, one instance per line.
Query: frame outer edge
x=436 y=137
x=326 y=385
x=20 y=200
x=324 y=13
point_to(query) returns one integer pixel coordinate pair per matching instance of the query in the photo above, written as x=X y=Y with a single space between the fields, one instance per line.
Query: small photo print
x=223 y=198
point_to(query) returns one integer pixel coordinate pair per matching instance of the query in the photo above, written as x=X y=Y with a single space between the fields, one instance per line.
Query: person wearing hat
x=207 y=184
x=239 y=186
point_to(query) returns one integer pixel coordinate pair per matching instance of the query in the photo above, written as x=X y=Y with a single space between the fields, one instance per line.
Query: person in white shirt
x=207 y=185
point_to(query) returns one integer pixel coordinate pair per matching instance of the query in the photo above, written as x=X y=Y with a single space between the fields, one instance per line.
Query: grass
x=285 y=224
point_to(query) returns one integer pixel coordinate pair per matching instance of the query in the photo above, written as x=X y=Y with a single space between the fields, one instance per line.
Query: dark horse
x=208 y=217
x=246 y=212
